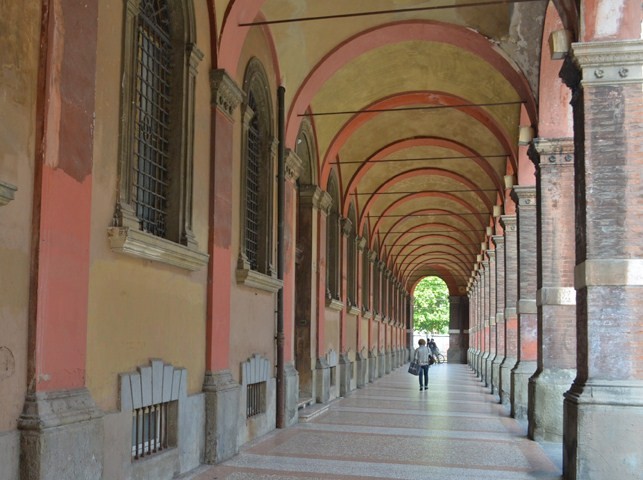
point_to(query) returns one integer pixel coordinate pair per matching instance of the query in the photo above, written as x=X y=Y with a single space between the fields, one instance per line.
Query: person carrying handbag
x=421 y=356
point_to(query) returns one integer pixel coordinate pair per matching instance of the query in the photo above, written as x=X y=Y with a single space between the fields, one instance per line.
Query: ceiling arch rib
x=405 y=144
x=359 y=120
x=424 y=30
x=442 y=228
x=453 y=244
x=453 y=259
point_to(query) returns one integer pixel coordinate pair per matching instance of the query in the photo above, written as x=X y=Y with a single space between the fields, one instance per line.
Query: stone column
x=508 y=223
x=499 y=244
x=603 y=410
x=556 y=297
x=221 y=391
x=61 y=427
x=361 y=355
x=525 y=198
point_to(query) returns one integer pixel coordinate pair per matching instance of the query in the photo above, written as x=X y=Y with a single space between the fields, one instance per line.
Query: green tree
x=431 y=306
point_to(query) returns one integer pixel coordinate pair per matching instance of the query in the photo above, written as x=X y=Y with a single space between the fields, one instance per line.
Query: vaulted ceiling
x=416 y=108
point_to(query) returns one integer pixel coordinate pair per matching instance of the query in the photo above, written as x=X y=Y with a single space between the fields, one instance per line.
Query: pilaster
x=499 y=245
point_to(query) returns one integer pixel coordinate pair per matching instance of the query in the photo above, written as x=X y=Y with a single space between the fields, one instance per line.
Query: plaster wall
x=252 y=311
x=139 y=309
x=331 y=331
x=20 y=37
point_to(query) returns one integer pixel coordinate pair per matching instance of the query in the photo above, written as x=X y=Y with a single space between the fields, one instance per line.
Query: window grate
x=152 y=117
x=149 y=430
x=252 y=188
x=256 y=399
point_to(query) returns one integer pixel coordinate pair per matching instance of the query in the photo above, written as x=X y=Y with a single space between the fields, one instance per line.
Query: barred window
x=152 y=116
x=153 y=211
x=255 y=399
x=151 y=429
x=253 y=186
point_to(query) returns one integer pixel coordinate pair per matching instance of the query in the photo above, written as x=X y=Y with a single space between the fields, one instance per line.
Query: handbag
x=414 y=368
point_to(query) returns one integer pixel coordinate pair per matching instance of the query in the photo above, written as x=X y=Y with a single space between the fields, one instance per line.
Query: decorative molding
x=347 y=226
x=253 y=279
x=524 y=196
x=609 y=63
x=335 y=304
x=325 y=202
x=149 y=385
x=508 y=223
x=133 y=242
x=7 y=192
x=552 y=151
x=309 y=195
x=293 y=165
x=195 y=57
x=556 y=296
x=44 y=410
x=255 y=370
x=226 y=95
x=609 y=272
x=353 y=310
x=498 y=240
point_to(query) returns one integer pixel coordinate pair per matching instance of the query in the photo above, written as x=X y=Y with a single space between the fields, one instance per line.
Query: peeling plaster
x=608 y=17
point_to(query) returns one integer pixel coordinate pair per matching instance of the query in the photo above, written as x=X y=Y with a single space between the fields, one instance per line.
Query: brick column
x=508 y=223
x=525 y=198
x=603 y=410
x=473 y=326
x=491 y=315
x=499 y=243
x=61 y=427
x=372 y=327
x=361 y=347
x=221 y=391
x=484 y=321
x=556 y=297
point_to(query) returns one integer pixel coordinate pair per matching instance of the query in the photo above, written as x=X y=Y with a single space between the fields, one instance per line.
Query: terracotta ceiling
x=417 y=110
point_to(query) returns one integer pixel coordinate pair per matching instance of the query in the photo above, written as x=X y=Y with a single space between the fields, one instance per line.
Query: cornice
x=609 y=63
x=226 y=95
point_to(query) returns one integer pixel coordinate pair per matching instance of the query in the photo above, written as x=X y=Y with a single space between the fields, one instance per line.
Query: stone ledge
x=44 y=410
x=556 y=296
x=139 y=244
x=609 y=272
x=260 y=281
x=7 y=192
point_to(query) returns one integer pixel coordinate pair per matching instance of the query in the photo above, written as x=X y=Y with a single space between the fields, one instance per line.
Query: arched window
x=157 y=130
x=351 y=274
x=333 y=228
x=366 y=272
x=257 y=179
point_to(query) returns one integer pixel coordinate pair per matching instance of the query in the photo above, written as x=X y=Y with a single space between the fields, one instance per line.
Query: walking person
x=421 y=356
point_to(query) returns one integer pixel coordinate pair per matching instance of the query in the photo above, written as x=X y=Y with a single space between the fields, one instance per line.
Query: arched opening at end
x=431 y=312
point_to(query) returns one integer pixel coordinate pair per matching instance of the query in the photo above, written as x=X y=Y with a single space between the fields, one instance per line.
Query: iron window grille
x=152 y=117
x=253 y=186
x=255 y=399
x=151 y=429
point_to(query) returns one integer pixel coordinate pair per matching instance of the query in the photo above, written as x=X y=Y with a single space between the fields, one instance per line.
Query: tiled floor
x=391 y=430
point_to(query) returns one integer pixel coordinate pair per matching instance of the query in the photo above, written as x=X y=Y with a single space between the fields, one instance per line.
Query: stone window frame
x=179 y=247
x=351 y=262
x=157 y=383
x=262 y=275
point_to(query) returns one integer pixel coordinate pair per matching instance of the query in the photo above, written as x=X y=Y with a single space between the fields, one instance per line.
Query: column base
x=505 y=381
x=61 y=436
x=362 y=370
x=546 y=389
x=456 y=355
x=345 y=370
x=495 y=374
x=381 y=364
x=322 y=381
x=603 y=422
x=291 y=390
x=372 y=367
x=387 y=362
x=484 y=368
x=520 y=376
x=222 y=396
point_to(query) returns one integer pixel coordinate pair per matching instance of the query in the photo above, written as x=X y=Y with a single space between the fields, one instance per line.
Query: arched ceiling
x=416 y=108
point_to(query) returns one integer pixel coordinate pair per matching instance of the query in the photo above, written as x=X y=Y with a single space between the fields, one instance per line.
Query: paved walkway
x=391 y=430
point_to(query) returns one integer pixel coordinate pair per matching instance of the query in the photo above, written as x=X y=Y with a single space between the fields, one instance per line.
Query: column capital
x=609 y=63
x=508 y=222
x=498 y=240
x=226 y=95
x=361 y=243
x=294 y=165
x=524 y=196
x=491 y=255
x=552 y=151
x=347 y=226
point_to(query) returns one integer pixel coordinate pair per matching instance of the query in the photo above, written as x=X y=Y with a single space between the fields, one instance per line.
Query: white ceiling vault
x=416 y=106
